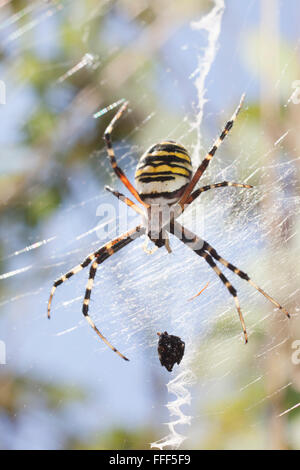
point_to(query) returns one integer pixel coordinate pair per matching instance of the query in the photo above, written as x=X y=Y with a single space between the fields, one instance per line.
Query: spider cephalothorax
x=157 y=223
x=165 y=187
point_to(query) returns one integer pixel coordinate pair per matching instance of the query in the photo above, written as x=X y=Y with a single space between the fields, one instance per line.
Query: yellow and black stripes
x=99 y=257
x=163 y=177
x=163 y=172
x=206 y=251
x=202 y=167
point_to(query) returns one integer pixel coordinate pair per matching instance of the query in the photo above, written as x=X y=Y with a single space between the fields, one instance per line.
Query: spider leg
x=242 y=275
x=194 y=242
x=67 y=276
x=229 y=286
x=118 y=171
x=132 y=233
x=108 y=250
x=202 y=167
x=197 y=192
x=126 y=200
x=92 y=275
x=137 y=209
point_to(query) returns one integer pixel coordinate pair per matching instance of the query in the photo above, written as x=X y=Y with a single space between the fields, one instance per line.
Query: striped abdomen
x=163 y=173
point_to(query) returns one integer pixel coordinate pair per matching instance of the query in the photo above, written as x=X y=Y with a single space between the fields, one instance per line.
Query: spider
x=165 y=188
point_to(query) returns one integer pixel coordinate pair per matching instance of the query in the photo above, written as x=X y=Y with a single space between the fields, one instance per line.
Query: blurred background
x=183 y=66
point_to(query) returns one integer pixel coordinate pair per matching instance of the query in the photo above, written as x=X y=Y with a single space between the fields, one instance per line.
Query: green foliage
x=116 y=438
x=41 y=205
x=21 y=394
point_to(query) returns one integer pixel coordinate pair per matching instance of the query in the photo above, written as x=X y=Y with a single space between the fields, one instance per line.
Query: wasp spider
x=165 y=188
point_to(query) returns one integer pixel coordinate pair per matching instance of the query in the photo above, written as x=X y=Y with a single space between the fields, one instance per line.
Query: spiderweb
x=136 y=295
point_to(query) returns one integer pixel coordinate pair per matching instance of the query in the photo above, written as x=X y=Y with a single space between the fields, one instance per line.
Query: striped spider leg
x=224 y=184
x=118 y=171
x=98 y=257
x=206 y=251
x=139 y=211
x=195 y=194
x=160 y=167
x=126 y=200
x=191 y=199
x=180 y=209
x=202 y=167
